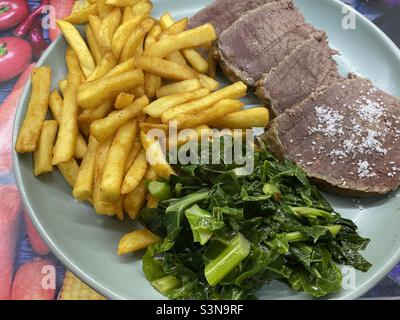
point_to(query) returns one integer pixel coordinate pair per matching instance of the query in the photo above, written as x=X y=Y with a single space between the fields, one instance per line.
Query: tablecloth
x=389 y=288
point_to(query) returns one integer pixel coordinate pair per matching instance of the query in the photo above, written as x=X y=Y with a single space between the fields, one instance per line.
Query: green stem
x=237 y=250
x=296 y=236
x=187 y=201
x=299 y=236
x=311 y=212
x=160 y=190
x=3 y=49
x=165 y=284
x=4 y=9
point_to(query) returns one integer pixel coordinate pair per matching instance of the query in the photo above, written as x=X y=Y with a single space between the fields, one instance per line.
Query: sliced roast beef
x=307 y=68
x=260 y=39
x=346 y=138
x=222 y=13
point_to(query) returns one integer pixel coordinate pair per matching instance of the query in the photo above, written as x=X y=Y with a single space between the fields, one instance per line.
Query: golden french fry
x=208 y=82
x=154 y=32
x=55 y=104
x=107 y=63
x=142 y=7
x=37 y=108
x=124 y=99
x=119 y=208
x=146 y=127
x=62 y=84
x=139 y=91
x=184 y=40
x=156 y=157
x=135 y=174
x=179 y=87
x=245 y=119
x=100 y=206
x=212 y=64
x=83 y=187
x=65 y=146
x=236 y=90
x=135 y=200
x=79 y=5
x=127 y=14
x=82 y=16
x=136 y=39
x=176 y=57
x=165 y=69
x=151 y=84
x=136 y=241
x=103 y=8
x=174 y=28
x=69 y=170
x=132 y=44
x=90 y=115
x=140 y=49
x=171 y=27
x=186 y=136
x=44 y=151
x=151 y=174
x=137 y=146
x=72 y=62
x=104 y=128
x=218 y=110
x=94 y=22
x=128 y=65
x=123 y=33
x=166 y=20
x=195 y=60
x=94 y=47
x=134 y=205
x=74 y=39
x=104 y=89
x=108 y=26
x=160 y=106
x=121 y=3
x=114 y=169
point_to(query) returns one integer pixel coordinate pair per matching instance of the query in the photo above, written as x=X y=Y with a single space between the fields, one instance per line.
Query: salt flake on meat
x=329 y=122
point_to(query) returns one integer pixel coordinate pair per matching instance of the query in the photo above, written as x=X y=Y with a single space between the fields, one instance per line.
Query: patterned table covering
x=386 y=15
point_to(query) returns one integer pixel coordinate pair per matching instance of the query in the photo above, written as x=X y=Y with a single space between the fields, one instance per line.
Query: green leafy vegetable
x=226 y=233
x=202 y=223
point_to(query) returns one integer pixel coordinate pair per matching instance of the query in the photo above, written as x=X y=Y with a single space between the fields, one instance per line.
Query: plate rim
x=110 y=294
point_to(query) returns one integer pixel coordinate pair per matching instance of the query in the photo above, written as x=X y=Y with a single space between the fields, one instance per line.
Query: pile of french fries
x=129 y=74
